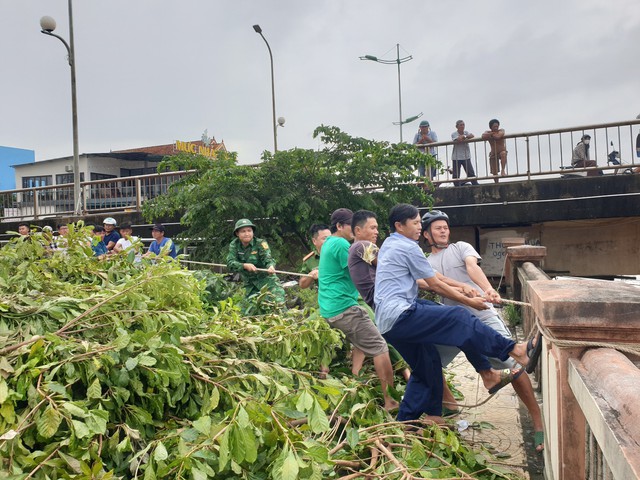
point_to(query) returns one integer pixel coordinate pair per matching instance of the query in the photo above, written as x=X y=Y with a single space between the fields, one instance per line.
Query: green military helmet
x=243 y=222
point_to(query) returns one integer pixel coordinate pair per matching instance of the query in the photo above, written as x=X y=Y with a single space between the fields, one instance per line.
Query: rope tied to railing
x=622 y=347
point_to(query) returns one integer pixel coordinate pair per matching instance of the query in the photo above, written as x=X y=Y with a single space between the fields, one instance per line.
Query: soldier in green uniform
x=319 y=233
x=248 y=253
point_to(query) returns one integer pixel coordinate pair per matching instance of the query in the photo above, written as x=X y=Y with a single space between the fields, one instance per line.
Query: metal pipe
x=273 y=91
x=77 y=193
x=399 y=89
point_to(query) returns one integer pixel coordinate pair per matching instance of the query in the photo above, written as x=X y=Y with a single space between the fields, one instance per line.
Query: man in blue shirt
x=111 y=235
x=161 y=245
x=413 y=326
x=97 y=242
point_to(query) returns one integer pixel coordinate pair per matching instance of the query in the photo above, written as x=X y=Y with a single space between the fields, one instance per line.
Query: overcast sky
x=151 y=72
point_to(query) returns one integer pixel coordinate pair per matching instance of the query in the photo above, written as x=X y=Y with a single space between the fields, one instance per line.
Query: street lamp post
x=397 y=61
x=273 y=93
x=48 y=25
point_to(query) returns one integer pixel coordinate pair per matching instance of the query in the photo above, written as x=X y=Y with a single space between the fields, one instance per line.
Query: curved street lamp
x=258 y=30
x=397 y=61
x=48 y=25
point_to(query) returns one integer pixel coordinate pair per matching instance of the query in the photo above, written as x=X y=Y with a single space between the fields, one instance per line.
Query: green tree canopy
x=288 y=191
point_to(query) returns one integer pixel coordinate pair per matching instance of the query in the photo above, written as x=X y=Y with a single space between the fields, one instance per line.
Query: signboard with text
x=493 y=250
x=196 y=149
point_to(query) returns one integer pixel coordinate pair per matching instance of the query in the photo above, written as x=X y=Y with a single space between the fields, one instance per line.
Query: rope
x=632 y=349
x=258 y=269
x=512 y=302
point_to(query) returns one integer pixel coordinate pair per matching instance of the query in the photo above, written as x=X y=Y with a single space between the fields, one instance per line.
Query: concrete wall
x=12 y=156
x=582 y=248
x=598 y=247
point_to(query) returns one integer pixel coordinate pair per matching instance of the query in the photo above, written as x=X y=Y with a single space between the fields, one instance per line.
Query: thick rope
x=257 y=269
x=622 y=347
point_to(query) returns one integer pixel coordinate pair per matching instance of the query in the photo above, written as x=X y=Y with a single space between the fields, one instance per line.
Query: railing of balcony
x=110 y=195
x=546 y=153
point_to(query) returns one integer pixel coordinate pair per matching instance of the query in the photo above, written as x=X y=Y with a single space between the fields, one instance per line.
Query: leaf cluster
x=122 y=370
x=288 y=191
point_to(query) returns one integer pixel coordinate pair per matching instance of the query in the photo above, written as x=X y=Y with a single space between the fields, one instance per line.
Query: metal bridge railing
x=111 y=195
x=540 y=154
x=545 y=153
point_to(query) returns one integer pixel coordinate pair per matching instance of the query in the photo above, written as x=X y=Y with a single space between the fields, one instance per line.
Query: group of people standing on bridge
x=356 y=280
x=461 y=153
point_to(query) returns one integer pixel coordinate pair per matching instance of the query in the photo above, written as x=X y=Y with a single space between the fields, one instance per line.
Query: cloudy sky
x=151 y=72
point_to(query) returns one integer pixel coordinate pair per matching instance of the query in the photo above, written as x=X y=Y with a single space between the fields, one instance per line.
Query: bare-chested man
x=495 y=136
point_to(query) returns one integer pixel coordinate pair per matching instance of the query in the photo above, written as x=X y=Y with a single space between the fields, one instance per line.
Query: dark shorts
x=355 y=323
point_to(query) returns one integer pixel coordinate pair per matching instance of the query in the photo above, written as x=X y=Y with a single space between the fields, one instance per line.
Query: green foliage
x=288 y=191
x=512 y=314
x=122 y=370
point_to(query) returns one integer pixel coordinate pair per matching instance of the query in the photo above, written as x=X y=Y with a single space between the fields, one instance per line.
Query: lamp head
x=257 y=28
x=47 y=24
x=371 y=57
x=281 y=121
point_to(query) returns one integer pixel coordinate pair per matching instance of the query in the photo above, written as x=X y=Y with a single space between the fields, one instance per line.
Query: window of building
x=101 y=176
x=67 y=178
x=40 y=181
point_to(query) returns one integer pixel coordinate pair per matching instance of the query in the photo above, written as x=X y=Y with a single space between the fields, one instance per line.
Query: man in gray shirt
x=460 y=261
x=461 y=155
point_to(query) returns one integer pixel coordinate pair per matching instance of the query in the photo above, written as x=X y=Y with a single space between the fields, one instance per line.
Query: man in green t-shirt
x=319 y=233
x=338 y=300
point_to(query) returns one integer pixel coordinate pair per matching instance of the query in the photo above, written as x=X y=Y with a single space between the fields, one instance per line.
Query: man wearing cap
x=111 y=236
x=425 y=135
x=161 y=245
x=338 y=300
x=246 y=255
x=459 y=261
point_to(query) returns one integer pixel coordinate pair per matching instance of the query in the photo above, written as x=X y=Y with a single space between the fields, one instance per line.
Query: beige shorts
x=493 y=161
x=355 y=323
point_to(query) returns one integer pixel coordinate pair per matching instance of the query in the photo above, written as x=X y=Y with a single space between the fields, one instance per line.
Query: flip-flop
x=533 y=352
x=538 y=440
x=506 y=377
x=450 y=412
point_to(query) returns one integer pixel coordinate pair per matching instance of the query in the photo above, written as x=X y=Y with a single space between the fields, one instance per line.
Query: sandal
x=538 y=440
x=450 y=412
x=506 y=377
x=533 y=352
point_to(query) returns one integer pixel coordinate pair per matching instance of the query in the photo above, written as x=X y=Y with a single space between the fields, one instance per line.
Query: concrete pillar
x=576 y=310
x=516 y=256
x=511 y=242
x=522 y=266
